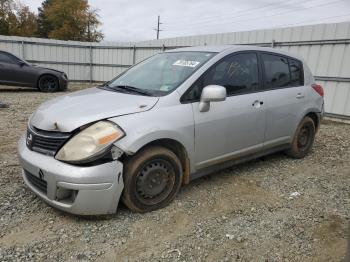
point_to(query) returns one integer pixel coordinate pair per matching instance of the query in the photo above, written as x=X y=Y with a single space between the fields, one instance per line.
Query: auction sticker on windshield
x=186 y=63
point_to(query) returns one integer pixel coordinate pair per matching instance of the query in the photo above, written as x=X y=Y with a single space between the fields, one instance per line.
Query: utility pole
x=158 y=27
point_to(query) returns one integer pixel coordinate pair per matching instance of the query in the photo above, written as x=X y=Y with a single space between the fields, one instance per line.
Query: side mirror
x=21 y=63
x=211 y=93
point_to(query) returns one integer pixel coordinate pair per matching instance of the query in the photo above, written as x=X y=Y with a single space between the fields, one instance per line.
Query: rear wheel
x=48 y=84
x=152 y=179
x=303 y=139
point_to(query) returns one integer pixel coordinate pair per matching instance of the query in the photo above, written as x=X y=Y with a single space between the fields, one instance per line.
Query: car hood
x=68 y=112
x=46 y=68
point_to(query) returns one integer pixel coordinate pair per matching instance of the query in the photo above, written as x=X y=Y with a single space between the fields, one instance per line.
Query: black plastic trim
x=236 y=160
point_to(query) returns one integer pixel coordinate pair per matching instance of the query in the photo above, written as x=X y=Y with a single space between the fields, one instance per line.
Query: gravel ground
x=271 y=209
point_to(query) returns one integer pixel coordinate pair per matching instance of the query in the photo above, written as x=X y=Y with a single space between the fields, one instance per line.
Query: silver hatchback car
x=174 y=117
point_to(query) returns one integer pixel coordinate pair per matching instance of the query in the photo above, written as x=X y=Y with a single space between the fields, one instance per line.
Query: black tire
x=48 y=84
x=303 y=139
x=152 y=179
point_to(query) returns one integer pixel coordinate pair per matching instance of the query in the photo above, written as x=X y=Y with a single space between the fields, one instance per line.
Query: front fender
x=136 y=142
x=173 y=122
x=46 y=71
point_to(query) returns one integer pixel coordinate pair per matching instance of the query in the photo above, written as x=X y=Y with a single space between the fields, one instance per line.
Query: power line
x=261 y=17
x=211 y=17
x=241 y=12
x=318 y=19
x=265 y=16
x=305 y=21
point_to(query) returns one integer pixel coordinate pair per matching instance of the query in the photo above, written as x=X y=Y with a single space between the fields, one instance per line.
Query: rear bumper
x=91 y=190
x=322 y=113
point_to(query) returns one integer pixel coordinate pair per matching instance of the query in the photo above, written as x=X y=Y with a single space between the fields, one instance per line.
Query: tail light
x=318 y=89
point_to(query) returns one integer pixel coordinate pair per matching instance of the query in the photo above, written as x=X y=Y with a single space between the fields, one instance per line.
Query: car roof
x=231 y=48
x=204 y=48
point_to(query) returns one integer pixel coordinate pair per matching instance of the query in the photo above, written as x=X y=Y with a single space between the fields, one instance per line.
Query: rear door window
x=280 y=71
x=5 y=58
x=276 y=69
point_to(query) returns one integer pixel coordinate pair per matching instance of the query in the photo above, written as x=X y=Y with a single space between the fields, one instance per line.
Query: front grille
x=45 y=142
x=37 y=182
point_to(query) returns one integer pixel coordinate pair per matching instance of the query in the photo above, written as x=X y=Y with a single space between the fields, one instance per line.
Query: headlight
x=90 y=142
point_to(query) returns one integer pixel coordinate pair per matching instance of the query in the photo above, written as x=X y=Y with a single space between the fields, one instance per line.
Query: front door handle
x=300 y=95
x=257 y=103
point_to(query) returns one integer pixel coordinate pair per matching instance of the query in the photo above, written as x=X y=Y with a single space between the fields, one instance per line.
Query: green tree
x=24 y=22
x=16 y=19
x=44 y=26
x=6 y=7
x=92 y=34
x=72 y=20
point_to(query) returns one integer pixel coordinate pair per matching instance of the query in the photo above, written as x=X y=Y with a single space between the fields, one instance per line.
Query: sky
x=135 y=20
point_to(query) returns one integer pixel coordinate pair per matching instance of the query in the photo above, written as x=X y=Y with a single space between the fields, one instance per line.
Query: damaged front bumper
x=91 y=190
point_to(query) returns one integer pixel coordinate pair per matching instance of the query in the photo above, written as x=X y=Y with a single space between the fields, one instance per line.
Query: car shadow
x=18 y=90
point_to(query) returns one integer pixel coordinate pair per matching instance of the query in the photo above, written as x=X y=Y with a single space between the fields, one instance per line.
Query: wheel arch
x=315 y=118
x=47 y=74
x=178 y=149
x=312 y=113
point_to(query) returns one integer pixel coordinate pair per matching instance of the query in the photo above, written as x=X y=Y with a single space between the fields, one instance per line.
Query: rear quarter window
x=296 y=72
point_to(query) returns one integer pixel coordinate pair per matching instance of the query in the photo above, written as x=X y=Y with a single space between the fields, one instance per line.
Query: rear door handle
x=257 y=103
x=300 y=95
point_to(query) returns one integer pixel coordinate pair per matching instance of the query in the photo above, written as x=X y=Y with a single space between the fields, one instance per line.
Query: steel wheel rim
x=304 y=138
x=155 y=181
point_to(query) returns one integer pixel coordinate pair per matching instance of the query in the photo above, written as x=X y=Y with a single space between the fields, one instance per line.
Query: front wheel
x=303 y=139
x=48 y=84
x=152 y=179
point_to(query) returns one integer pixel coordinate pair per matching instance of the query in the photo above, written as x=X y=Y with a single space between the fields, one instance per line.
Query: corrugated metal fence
x=326 y=48
x=81 y=61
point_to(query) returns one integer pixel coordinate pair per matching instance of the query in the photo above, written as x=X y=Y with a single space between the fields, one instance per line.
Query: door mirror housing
x=211 y=93
x=21 y=63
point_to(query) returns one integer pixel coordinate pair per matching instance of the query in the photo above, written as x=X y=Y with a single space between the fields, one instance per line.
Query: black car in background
x=17 y=72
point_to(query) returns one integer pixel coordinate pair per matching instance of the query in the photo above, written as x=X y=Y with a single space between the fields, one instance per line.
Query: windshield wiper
x=132 y=89
x=106 y=84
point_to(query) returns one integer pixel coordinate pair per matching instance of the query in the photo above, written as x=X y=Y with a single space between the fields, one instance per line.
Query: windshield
x=162 y=73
